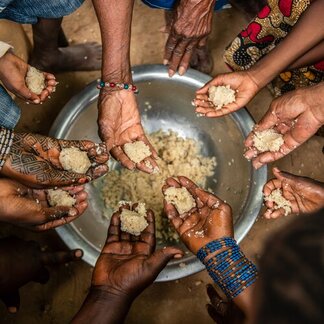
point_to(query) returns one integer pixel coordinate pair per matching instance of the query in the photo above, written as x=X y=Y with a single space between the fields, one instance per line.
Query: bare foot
x=202 y=60
x=81 y=57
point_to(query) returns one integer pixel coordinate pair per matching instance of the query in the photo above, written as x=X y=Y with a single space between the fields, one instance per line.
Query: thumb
x=26 y=94
x=160 y=258
x=12 y=301
x=284 y=176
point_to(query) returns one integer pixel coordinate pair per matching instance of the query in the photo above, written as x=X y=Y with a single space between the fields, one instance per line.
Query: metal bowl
x=236 y=181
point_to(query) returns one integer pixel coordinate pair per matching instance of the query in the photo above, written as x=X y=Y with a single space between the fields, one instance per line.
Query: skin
x=296 y=115
x=22 y=262
x=299 y=48
x=191 y=24
x=304 y=194
x=29 y=208
x=126 y=266
x=33 y=160
x=211 y=216
x=13 y=71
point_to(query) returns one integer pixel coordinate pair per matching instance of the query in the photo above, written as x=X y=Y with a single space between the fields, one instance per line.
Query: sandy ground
x=173 y=302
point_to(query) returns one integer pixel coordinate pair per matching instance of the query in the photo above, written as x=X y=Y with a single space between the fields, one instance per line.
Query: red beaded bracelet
x=121 y=86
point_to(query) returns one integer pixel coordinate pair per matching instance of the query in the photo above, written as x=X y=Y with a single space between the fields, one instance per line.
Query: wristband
x=230 y=269
x=117 y=86
x=6 y=138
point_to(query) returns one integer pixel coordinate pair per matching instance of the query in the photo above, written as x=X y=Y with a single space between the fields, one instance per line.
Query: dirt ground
x=173 y=302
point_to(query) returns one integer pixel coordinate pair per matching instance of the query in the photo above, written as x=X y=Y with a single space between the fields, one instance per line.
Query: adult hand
x=128 y=264
x=222 y=310
x=210 y=220
x=29 y=208
x=191 y=25
x=120 y=123
x=304 y=194
x=34 y=161
x=296 y=115
x=13 y=71
x=245 y=85
x=22 y=262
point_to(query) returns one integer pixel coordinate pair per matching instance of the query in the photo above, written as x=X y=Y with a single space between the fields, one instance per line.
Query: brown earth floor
x=174 y=302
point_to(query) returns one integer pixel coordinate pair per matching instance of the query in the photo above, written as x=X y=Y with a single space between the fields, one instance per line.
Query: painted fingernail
x=182 y=70
x=171 y=73
x=165 y=62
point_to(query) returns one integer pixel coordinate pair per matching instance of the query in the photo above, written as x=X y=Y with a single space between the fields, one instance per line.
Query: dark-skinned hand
x=222 y=310
x=34 y=161
x=192 y=23
x=243 y=82
x=128 y=264
x=305 y=195
x=210 y=220
x=29 y=208
x=120 y=123
x=13 y=72
x=296 y=115
x=22 y=262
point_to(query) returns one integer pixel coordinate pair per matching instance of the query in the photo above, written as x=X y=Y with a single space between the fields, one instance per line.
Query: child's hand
x=13 y=71
x=210 y=220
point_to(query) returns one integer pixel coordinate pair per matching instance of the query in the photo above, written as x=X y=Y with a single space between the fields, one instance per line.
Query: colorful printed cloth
x=265 y=32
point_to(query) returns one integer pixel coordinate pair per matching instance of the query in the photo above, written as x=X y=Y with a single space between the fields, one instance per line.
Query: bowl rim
x=242 y=119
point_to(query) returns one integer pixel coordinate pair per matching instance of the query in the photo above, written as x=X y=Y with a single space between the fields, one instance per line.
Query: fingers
x=148 y=235
x=52 y=258
x=119 y=155
x=12 y=301
x=209 y=199
x=98 y=171
x=169 y=48
x=114 y=229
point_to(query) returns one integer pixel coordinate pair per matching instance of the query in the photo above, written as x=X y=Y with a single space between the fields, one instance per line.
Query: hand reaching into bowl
x=34 y=161
x=245 y=85
x=13 y=71
x=304 y=194
x=29 y=208
x=22 y=262
x=126 y=266
x=120 y=123
x=210 y=220
x=296 y=115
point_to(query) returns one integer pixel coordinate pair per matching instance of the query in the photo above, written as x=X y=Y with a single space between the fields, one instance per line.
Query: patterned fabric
x=28 y=11
x=264 y=33
x=9 y=111
x=169 y=4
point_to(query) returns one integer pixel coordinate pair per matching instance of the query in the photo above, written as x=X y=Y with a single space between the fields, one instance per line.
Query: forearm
x=102 y=307
x=115 y=19
x=305 y=35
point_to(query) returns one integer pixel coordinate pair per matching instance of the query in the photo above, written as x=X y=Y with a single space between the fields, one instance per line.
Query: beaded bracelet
x=229 y=268
x=117 y=86
x=6 y=138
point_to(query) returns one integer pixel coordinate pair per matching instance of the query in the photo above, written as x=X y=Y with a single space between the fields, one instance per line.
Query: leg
x=52 y=54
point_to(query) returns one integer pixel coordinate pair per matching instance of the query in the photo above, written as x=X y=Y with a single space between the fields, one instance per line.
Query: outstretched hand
x=243 y=83
x=210 y=220
x=120 y=123
x=304 y=194
x=34 y=161
x=29 y=208
x=22 y=262
x=296 y=115
x=13 y=71
x=128 y=264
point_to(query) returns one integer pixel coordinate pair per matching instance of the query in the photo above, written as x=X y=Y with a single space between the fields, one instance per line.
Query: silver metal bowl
x=236 y=181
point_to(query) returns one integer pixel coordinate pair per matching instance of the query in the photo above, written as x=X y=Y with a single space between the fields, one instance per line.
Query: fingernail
x=165 y=62
x=178 y=256
x=57 y=83
x=78 y=253
x=36 y=101
x=73 y=212
x=171 y=73
x=12 y=309
x=182 y=70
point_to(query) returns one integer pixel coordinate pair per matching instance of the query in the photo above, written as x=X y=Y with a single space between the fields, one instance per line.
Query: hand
x=297 y=115
x=34 y=161
x=221 y=310
x=22 y=262
x=210 y=220
x=128 y=264
x=13 y=71
x=305 y=195
x=190 y=27
x=120 y=123
x=243 y=83
x=29 y=208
